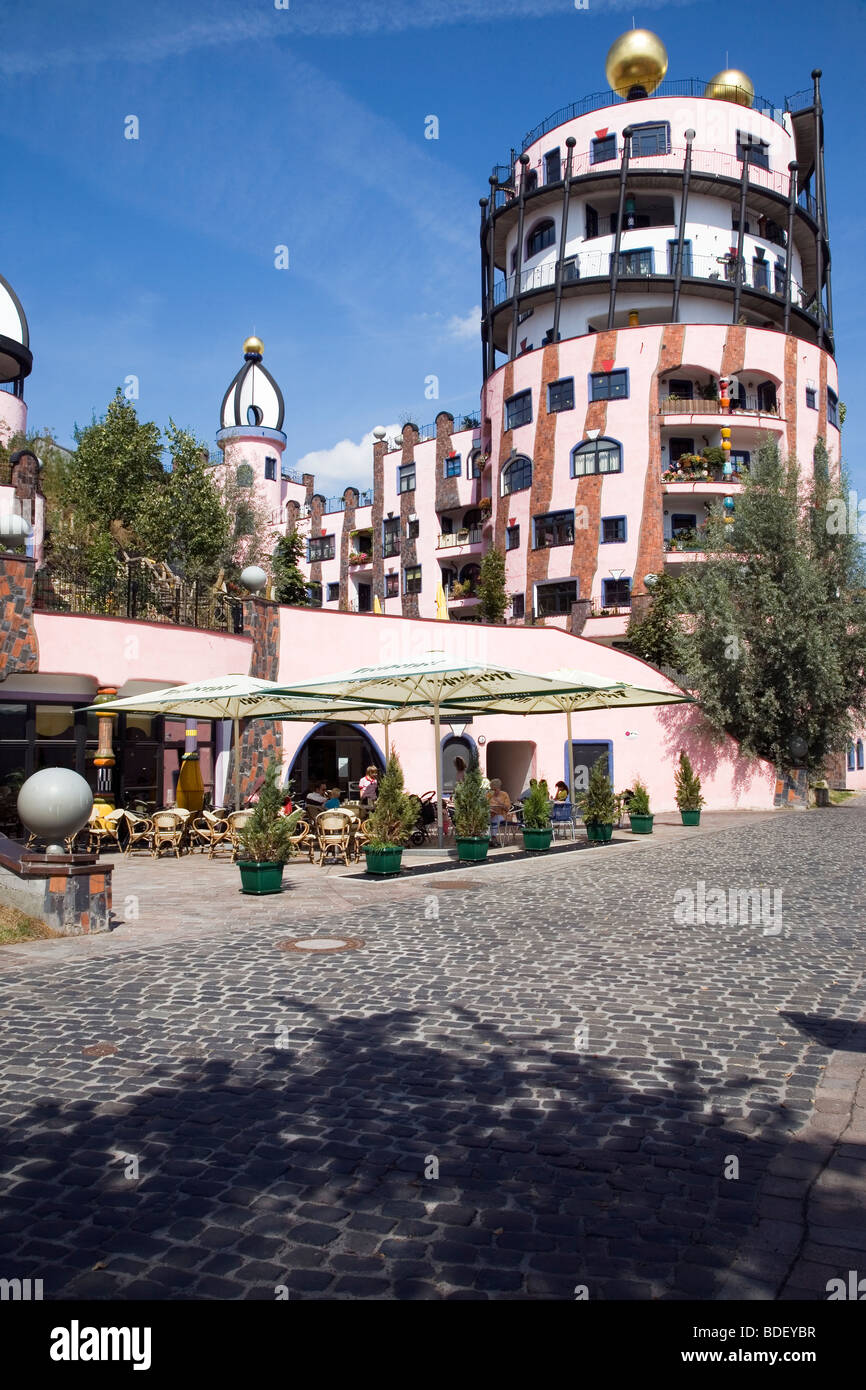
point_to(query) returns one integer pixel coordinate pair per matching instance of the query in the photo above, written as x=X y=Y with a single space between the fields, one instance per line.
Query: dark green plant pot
x=641 y=825
x=596 y=833
x=260 y=878
x=691 y=817
x=537 y=840
x=472 y=846
x=384 y=861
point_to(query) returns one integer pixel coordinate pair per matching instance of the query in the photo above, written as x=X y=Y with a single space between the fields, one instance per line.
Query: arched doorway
x=336 y=754
x=453 y=747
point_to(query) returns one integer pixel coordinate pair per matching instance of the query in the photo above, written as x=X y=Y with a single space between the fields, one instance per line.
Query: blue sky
x=304 y=127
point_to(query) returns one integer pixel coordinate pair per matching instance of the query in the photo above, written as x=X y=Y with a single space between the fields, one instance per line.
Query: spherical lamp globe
x=14 y=530
x=254 y=578
x=53 y=804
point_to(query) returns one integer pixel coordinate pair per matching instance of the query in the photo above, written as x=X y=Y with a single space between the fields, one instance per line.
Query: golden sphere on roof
x=254 y=345
x=638 y=58
x=731 y=85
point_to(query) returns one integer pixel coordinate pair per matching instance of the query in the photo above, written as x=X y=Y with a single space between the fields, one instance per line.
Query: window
x=859 y=755
x=540 y=237
x=552 y=166
x=392 y=586
x=673 y=247
x=271 y=469
x=678 y=447
x=517 y=475
x=406 y=478
x=391 y=536
x=780 y=276
x=612 y=530
x=453 y=466
x=475 y=464
x=314 y=595
x=811 y=398
x=760 y=273
x=751 y=150
x=596 y=456
x=683 y=521
x=412 y=579
x=512 y=538
x=551 y=599
x=636 y=262
x=616 y=593
x=320 y=548
x=556 y=528
x=832 y=408
x=850 y=757
x=740 y=460
x=570 y=269
x=602 y=149
x=683 y=390
x=608 y=386
x=767 y=401
x=517 y=606
x=652 y=138
x=518 y=410
x=412 y=529
x=530 y=181
x=244 y=476
x=560 y=395
x=591 y=222
x=334 y=593
x=245 y=522
x=255 y=415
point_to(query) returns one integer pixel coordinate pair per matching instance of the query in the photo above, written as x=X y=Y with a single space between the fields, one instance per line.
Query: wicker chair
x=104 y=830
x=168 y=832
x=209 y=832
x=302 y=838
x=139 y=830
x=333 y=835
x=236 y=821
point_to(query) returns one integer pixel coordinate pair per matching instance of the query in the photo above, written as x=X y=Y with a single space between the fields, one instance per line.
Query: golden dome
x=254 y=345
x=638 y=58
x=731 y=85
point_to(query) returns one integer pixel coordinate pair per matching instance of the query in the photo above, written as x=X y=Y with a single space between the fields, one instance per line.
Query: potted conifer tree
x=471 y=815
x=639 y=809
x=598 y=804
x=265 y=840
x=688 y=791
x=537 y=830
x=390 y=823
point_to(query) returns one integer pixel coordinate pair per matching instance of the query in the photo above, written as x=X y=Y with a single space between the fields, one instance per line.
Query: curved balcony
x=456 y=543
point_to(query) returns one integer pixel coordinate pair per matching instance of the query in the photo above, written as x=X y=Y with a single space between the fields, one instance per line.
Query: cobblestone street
x=525 y=1080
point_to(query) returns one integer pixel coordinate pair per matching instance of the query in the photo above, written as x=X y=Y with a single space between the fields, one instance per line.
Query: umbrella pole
x=387 y=750
x=237 y=763
x=570 y=756
x=437 y=751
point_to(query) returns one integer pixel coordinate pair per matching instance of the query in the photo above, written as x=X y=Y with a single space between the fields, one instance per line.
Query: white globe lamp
x=53 y=804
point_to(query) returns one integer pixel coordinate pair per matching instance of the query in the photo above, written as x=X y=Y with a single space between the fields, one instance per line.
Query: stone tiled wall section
x=587 y=493
x=790 y=394
x=377 y=515
x=500 y=504
x=734 y=351
x=19 y=650
x=350 y=497
x=822 y=402
x=447 y=492
x=543 y=463
x=317 y=522
x=650 y=553
x=71 y=898
x=261 y=740
x=25 y=478
x=408 y=549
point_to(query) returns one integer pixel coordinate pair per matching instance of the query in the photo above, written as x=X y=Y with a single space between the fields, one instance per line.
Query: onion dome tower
x=16 y=360
x=251 y=429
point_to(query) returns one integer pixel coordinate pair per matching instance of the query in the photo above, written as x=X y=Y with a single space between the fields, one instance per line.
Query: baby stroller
x=426 y=805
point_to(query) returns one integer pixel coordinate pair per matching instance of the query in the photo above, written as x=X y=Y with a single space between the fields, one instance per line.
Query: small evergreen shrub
x=598 y=803
x=266 y=837
x=639 y=802
x=393 y=817
x=536 y=808
x=688 y=785
x=471 y=807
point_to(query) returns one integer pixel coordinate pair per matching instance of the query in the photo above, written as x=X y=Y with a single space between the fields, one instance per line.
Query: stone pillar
x=104 y=762
x=18 y=647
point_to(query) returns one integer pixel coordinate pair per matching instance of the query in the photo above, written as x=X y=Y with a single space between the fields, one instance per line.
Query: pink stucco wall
x=113 y=651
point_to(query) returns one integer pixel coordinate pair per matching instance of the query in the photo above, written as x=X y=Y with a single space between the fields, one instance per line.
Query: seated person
x=560 y=791
x=500 y=808
x=315 y=800
x=286 y=808
x=333 y=801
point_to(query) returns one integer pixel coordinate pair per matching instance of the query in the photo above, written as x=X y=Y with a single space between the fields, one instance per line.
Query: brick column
x=408 y=549
x=19 y=650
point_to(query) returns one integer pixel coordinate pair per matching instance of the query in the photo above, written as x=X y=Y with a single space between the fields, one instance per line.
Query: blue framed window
x=832 y=408
x=553 y=599
x=596 y=456
x=613 y=530
x=453 y=466
x=334 y=593
x=851 y=757
x=271 y=470
x=673 y=248
x=406 y=478
x=752 y=150
x=811 y=398
x=780 y=274
x=518 y=410
x=552 y=166
x=314 y=595
x=320 y=548
x=518 y=605
x=654 y=137
x=517 y=475
x=616 y=593
x=512 y=538
x=608 y=386
x=602 y=148
x=555 y=528
x=392 y=585
x=412 y=579
x=540 y=238
x=740 y=460
x=638 y=262
x=391 y=536
x=560 y=395
x=859 y=755
x=760 y=273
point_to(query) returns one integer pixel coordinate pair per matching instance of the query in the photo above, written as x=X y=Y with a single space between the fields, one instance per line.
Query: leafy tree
x=181 y=518
x=491 y=587
x=471 y=806
x=117 y=461
x=776 y=630
x=289 y=583
x=657 y=636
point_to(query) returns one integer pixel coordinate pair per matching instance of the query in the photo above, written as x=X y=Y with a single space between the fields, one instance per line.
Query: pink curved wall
x=114 y=650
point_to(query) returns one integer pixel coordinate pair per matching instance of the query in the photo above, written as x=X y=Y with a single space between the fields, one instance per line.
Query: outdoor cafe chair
x=139 y=830
x=562 y=819
x=236 y=821
x=301 y=837
x=209 y=832
x=333 y=835
x=168 y=832
x=104 y=828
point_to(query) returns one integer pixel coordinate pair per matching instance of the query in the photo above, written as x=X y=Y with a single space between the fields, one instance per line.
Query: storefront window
x=55 y=721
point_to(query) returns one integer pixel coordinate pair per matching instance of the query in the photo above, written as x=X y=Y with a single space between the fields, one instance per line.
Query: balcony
x=359 y=561
x=680 y=405
x=458 y=540
x=140 y=593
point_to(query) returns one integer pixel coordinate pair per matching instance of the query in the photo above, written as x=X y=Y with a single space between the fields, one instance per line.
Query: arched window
x=596 y=456
x=517 y=475
x=541 y=236
x=471 y=518
x=850 y=757
x=859 y=755
x=244 y=475
x=255 y=415
x=470 y=574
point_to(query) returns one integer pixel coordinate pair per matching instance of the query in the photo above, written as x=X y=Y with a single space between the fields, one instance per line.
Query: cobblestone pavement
x=519 y=1084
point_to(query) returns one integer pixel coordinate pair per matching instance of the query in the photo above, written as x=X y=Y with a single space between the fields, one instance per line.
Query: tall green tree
x=290 y=586
x=656 y=636
x=181 y=518
x=493 y=600
x=117 y=461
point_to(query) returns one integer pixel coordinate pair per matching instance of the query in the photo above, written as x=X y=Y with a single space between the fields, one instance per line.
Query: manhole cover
x=99 y=1050
x=321 y=943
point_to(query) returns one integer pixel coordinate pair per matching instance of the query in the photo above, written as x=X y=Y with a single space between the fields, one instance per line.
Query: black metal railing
x=138 y=591
x=800 y=101
x=465 y=420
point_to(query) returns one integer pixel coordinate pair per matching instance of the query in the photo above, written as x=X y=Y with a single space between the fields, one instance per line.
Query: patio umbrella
x=441 y=603
x=437 y=681
x=587 y=692
x=232 y=697
x=377 y=607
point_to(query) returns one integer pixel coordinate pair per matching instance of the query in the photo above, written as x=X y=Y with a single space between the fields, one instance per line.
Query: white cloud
x=466 y=329
x=346 y=464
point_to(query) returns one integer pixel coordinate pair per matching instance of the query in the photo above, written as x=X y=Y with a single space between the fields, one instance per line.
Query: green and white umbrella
x=436 y=682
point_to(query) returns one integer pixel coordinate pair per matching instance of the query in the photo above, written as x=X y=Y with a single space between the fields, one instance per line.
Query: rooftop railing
x=138 y=592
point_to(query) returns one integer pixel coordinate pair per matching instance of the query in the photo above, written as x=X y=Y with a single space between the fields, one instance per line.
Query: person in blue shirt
x=333 y=801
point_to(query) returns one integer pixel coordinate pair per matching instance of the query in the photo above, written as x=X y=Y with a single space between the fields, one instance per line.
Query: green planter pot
x=384 y=861
x=472 y=846
x=537 y=840
x=598 y=834
x=691 y=817
x=260 y=878
x=641 y=825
